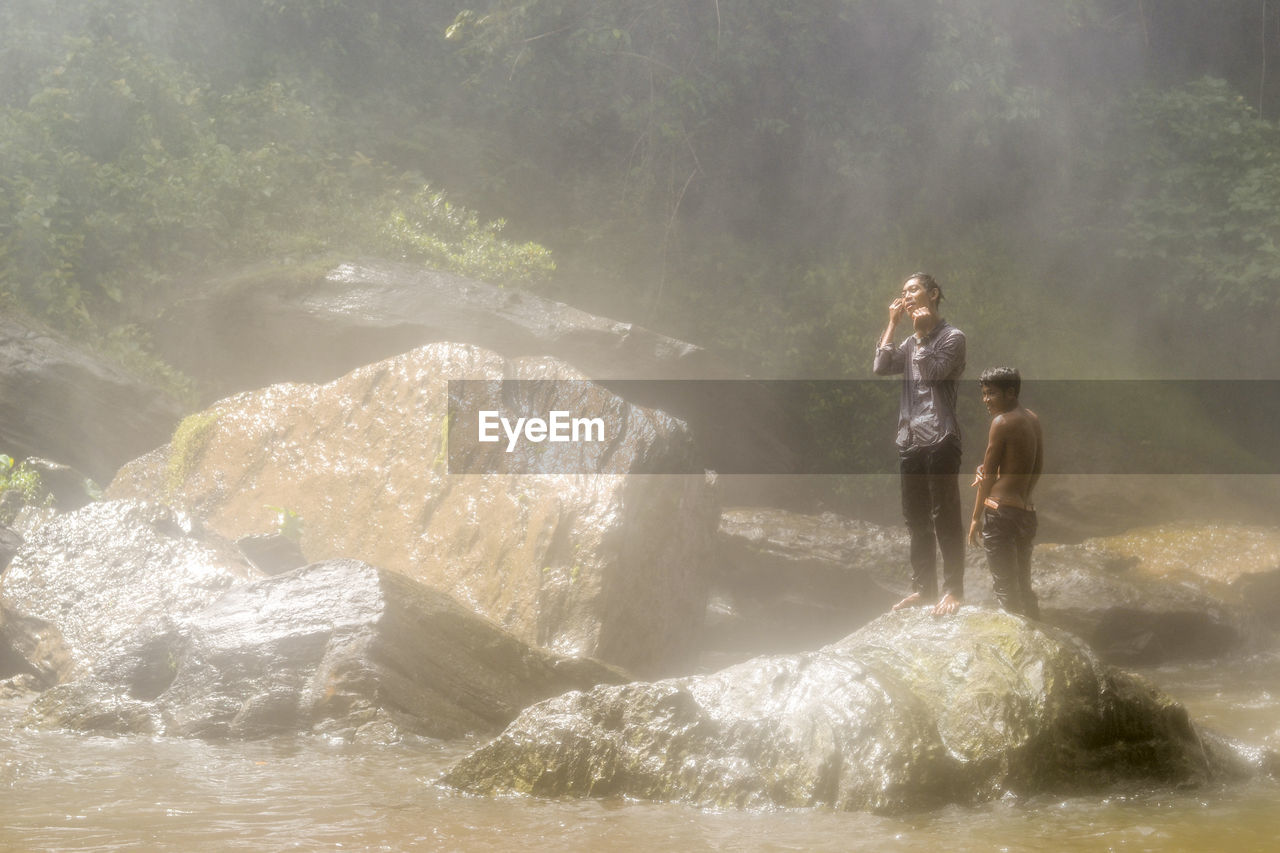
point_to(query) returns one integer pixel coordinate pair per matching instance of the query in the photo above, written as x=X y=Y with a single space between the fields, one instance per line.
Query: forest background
x=1096 y=183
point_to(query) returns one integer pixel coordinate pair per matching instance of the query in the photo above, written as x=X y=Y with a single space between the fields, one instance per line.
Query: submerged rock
x=336 y=647
x=60 y=402
x=910 y=712
x=607 y=565
x=83 y=581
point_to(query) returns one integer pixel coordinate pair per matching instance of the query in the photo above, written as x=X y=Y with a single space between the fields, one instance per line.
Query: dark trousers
x=1006 y=537
x=931 y=505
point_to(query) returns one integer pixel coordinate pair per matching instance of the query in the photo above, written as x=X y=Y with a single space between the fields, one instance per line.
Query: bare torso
x=1020 y=457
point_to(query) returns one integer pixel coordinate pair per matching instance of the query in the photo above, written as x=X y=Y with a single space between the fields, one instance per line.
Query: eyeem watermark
x=844 y=427
x=559 y=426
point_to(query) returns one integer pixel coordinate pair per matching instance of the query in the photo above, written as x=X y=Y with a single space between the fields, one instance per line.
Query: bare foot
x=948 y=605
x=915 y=599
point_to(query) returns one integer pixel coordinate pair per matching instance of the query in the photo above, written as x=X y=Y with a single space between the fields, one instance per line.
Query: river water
x=66 y=791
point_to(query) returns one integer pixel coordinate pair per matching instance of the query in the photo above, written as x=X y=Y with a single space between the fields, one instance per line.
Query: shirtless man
x=1003 y=514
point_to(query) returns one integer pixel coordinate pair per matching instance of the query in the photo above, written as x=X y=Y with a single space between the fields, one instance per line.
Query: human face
x=914 y=295
x=998 y=400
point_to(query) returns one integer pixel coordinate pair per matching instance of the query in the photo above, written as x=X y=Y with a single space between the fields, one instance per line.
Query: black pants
x=931 y=505
x=1006 y=537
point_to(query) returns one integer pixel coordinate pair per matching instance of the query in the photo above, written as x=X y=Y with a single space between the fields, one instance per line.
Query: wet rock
x=44 y=486
x=1074 y=508
x=22 y=686
x=67 y=488
x=59 y=402
x=272 y=553
x=1133 y=618
x=10 y=542
x=1262 y=591
x=606 y=565
x=14 y=630
x=910 y=712
x=1158 y=594
x=787 y=582
x=83 y=581
x=337 y=647
x=1237 y=563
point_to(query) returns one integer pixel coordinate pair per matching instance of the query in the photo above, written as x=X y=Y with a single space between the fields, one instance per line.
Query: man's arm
x=990 y=473
x=1038 y=465
x=890 y=359
x=944 y=360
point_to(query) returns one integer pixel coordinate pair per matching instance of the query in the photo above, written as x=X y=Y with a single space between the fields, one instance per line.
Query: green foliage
x=1205 y=214
x=125 y=171
x=429 y=227
x=1183 y=218
x=186 y=447
x=24 y=483
x=289 y=523
x=753 y=175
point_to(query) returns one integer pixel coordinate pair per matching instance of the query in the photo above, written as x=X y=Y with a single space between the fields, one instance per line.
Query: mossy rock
x=910 y=712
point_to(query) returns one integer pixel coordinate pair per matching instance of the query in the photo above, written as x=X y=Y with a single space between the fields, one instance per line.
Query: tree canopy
x=1094 y=181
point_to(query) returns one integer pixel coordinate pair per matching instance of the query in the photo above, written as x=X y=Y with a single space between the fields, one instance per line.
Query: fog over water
x=1094 y=183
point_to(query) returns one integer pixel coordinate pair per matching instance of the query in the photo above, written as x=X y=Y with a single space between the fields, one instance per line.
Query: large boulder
x=608 y=565
x=60 y=402
x=784 y=579
x=1130 y=617
x=337 y=647
x=1236 y=562
x=910 y=712
x=84 y=581
x=1074 y=508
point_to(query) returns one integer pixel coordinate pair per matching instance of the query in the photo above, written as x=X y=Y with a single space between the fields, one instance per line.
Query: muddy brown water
x=63 y=791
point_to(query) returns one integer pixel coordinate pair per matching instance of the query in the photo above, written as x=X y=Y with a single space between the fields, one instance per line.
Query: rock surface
x=1236 y=562
x=1132 y=618
x=1074 y=508
x=272 y=553
x=59 y=402
x=611 y=565
x=10 y=544
x=84 y=581
x=910 y=712
x=66 y=488
x=337 y=647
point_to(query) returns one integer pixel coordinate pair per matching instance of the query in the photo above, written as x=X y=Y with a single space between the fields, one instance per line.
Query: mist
x=261 y=579
x=755 y=177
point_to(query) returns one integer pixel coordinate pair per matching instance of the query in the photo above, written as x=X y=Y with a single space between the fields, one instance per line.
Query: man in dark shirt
x=931 y=361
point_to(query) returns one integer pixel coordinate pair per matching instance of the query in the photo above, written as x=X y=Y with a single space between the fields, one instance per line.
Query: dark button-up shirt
x=930 y=368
